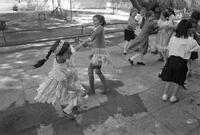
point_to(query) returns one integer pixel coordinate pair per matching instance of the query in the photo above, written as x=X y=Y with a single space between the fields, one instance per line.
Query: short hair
x=195 y=15
x=183 y=28
x=165 y=14
x=101 y=19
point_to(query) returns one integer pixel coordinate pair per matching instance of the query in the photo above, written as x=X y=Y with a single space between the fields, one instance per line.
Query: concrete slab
x=176 y=120
x=191 y=106
x=152 y=102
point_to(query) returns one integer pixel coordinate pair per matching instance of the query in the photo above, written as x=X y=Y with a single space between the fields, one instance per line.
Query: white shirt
x=138 y=17
x=182 y=47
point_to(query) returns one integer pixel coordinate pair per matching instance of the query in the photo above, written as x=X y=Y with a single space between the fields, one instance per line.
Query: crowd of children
x=177 y=44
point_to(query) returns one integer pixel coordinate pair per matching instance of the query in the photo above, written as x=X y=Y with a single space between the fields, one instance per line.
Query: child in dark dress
x=175 y=70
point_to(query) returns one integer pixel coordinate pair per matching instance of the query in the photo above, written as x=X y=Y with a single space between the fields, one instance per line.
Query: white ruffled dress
x=52 y=89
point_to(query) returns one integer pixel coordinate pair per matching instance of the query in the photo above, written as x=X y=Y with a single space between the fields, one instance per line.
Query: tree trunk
x=136 y=4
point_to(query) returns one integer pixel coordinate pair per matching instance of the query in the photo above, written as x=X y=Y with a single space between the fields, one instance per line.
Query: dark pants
x=97 y=69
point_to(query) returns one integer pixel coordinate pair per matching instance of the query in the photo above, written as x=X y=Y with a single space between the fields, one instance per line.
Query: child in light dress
x=175 y=70
x=62 y=86
x=164 y=32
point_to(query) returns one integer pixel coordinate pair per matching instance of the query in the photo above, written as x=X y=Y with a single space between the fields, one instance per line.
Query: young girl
x=62 y=86
x=142 y=40
x=99 y=56
x=162 y=37
x=180 y=47
x=129 y=32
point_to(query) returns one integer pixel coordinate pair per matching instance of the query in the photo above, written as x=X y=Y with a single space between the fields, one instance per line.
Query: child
x=142 y=40
x=195 y=19
x=99 y=56
x=162 y=37
x=180 y=47
x=140 y=18
x=62 y=86
x=129 y=32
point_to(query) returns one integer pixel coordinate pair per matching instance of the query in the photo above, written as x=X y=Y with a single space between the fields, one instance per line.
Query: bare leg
x=173 y=98
x=126 y=47
x=189 y=73
x=58 y=108
x=102 y=78
x=164 y=55
x=166 y=89
x=91 y=79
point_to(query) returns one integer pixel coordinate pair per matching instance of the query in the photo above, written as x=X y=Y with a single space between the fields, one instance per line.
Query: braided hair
x=52 y=49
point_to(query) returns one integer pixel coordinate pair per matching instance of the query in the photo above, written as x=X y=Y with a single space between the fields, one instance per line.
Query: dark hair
x=183 y=28
x=132 y=11
x=101 y=19
x=64 y=48
x=165 y=14
x=195 y=16
x=171 y=11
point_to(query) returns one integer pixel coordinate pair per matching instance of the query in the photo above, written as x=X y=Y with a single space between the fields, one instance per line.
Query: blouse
x=182 y=47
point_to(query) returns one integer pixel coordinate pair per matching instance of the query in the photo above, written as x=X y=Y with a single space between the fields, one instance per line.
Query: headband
x=59 y=47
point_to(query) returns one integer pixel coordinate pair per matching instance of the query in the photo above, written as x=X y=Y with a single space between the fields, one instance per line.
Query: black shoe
x=161 y=59
x=125 y=53
x=130 y=61
x=105 y=91
x=140 y=63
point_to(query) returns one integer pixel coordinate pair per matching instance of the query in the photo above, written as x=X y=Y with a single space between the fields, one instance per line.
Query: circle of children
x=177 y=45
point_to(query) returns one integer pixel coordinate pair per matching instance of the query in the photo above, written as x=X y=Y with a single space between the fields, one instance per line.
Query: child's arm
x=83 y=44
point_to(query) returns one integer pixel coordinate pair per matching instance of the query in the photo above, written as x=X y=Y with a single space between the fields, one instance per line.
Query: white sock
x=134 y=56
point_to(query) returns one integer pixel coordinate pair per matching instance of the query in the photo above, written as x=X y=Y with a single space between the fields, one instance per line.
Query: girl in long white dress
x=62 y=86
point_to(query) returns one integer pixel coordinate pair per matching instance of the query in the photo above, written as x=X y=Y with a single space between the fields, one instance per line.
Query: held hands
x=84 y=44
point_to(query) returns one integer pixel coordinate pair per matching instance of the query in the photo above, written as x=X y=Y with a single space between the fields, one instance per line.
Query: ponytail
x=42 y=61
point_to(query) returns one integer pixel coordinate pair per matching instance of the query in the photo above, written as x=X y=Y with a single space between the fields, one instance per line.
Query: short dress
x=162 y=38
x=129 y=31
x=175 y=69
x=100 y=56
x=52 y=89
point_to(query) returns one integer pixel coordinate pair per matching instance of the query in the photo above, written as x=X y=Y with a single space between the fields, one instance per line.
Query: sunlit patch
x=46 y=130
x=21 y=62
x=18 y=55
x=5 y=66
x=36 y=76
x=117 y=125
x=93 y=101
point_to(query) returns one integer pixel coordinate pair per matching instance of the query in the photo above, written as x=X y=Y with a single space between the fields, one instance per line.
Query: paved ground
x=133 y=107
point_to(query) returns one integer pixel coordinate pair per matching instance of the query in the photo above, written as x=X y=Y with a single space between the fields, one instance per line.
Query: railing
x=81 y=34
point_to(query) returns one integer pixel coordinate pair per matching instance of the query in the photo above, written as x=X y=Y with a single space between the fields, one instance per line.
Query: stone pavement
x=133 y=107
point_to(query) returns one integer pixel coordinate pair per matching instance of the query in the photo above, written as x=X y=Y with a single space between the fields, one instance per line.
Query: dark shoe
x=130 y=61
x=125 y=53
x=161 y=59
x=90 y=93
x=155 y=52
x=140 y=63
x=105 y=91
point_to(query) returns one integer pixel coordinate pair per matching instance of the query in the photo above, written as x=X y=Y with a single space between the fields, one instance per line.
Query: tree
x=136 y=4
